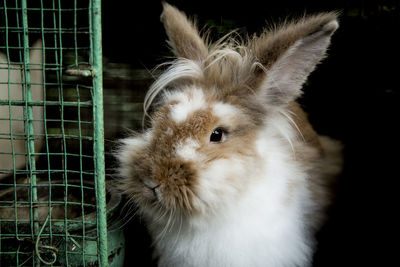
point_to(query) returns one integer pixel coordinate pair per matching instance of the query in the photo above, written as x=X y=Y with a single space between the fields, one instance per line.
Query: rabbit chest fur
x=230 y=172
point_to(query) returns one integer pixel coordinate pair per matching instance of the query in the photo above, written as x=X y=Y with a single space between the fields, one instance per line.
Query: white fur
x=136 y=142
x=130 y=146
x=226 y=113
x=255 y=226
x=169 y=131
x=189 y=101
x=187 y=149
x=180 y=69
x=249 y=210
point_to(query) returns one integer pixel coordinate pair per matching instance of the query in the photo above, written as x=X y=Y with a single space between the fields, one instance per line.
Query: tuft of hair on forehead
x=229 y=65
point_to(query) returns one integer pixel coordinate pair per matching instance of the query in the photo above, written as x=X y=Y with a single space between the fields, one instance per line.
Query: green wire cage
x=53 y=201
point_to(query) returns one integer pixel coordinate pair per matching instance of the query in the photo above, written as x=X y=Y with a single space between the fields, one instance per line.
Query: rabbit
x=11 y=80
x=230 y=172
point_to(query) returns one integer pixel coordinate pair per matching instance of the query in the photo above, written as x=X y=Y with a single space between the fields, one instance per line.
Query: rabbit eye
x=217 y=135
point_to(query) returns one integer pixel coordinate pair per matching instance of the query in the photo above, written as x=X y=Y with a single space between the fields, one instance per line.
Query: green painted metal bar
x=73 y=132
x=46 y=136
x=29 y=126
x=64 y=158
x=99 y=131
x=11 y=133
x=80 y=139
x=49 y=103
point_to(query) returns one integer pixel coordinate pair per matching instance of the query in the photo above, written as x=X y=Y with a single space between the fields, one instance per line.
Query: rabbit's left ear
x=183 y=35
x=290 y=54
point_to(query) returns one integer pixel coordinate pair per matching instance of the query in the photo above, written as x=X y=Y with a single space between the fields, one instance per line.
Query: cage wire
x=52 y=184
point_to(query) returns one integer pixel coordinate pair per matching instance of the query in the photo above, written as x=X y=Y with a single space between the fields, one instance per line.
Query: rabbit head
x=214 y=107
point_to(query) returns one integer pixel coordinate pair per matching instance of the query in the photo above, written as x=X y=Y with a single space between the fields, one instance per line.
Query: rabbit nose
x=154 y=189
x=156 y=192
x=152 y=186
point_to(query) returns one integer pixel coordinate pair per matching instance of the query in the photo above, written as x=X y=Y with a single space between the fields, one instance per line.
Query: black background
x=353 y=96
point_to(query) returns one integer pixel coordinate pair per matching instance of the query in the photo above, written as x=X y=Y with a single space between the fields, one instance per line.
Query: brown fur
x=177 y=175
x=186 y=41
x=254 y=57
x=231 y=72
x=305 y=130
x=237 y=75
x=177 y=178
x=272 y=43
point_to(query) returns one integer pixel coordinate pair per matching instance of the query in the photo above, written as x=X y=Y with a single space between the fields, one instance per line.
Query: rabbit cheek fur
x=255 y=195
x=192 y=175
x=238 y=203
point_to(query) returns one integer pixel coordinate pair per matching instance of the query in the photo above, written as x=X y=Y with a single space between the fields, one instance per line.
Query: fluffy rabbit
x=11 y=77
x=231 y=173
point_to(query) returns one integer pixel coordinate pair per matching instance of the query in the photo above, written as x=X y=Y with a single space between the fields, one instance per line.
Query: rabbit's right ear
x=289 y=54
x=183 y=35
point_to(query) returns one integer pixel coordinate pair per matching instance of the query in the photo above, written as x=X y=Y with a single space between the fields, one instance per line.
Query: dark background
x=353 y=96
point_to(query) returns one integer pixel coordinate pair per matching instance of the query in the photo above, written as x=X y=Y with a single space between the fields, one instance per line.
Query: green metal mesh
x=52 y=191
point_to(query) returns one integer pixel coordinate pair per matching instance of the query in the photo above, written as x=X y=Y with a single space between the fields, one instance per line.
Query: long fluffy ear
x=183 y=35
x=290 y=54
